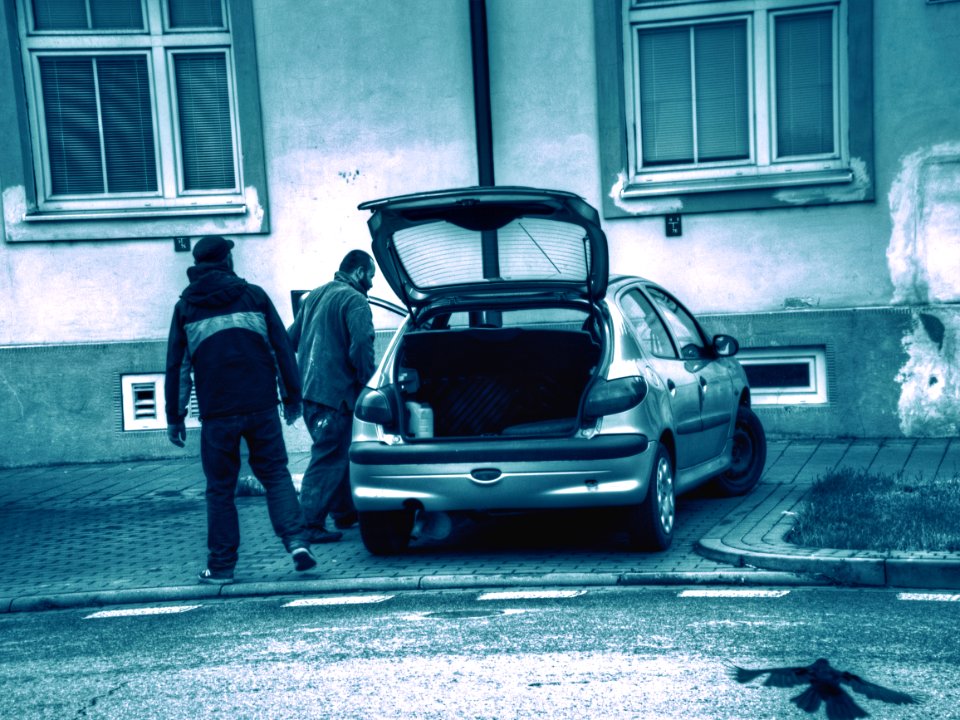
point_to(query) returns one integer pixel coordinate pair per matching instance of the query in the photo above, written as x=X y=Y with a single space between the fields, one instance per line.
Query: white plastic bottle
x=420 y=423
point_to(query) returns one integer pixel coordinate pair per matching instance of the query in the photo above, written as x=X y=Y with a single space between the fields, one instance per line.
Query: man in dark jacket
x=230 y=333
x=333 y=336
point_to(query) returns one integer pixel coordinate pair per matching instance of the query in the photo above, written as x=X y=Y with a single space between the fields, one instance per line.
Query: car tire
x=650 y=524
x=386 y=532
x=749 y=455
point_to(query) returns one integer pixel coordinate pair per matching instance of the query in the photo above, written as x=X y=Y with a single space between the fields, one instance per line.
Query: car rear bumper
x=605 y=470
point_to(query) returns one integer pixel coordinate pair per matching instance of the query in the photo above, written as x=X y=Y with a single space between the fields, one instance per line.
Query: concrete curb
x=859 y=568
x=65 y=601
x=748 y=539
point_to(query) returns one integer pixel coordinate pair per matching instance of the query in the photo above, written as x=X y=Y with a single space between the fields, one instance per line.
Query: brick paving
x=128 y=532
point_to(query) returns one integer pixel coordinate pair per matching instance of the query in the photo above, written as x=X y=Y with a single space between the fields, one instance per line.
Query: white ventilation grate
x=143 y=402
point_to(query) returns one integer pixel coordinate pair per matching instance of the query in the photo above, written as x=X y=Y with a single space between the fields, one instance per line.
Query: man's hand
x=291 y=411
x=177 y=434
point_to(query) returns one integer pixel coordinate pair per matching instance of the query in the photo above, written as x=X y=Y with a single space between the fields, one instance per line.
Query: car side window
x=653 y=336
x=681 y=323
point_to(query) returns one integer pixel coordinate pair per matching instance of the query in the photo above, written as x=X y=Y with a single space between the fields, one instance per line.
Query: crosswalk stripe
x=734 y=593
x=131 y=612
x=928 y=597
x=341 y=600
x=531 y=594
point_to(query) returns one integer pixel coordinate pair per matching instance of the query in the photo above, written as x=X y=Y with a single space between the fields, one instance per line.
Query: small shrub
x=856 y=510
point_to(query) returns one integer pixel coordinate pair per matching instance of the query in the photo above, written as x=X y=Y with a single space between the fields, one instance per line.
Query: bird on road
x=825 y=687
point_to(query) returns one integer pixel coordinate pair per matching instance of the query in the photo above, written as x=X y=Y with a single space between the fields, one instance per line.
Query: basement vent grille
x=786 y=375
x=144 y=401
x=144 y=407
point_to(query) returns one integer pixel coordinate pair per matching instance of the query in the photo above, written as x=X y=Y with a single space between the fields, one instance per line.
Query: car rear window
x=441 y=254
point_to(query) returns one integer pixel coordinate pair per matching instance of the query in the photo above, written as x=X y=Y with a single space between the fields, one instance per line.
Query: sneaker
x=346 y=521
x=303 y=559
x=320 y=536
x=215 y=577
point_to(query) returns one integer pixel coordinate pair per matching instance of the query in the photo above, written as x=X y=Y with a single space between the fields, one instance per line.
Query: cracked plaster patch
x=634 y=207
x=846 y=192
x=924 y=261
x=929 y=382
x=924 y=250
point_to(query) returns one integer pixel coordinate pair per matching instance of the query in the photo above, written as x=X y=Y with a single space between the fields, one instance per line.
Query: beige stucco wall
x=362 y=99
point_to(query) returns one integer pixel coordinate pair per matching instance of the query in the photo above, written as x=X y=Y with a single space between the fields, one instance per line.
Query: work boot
x=303 y=559
x=319 y=536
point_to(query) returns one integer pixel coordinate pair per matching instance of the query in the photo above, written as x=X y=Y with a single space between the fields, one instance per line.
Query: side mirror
x=725 y=345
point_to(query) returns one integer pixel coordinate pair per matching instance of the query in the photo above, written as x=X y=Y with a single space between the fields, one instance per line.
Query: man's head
x=212 y=249
x=361 y=267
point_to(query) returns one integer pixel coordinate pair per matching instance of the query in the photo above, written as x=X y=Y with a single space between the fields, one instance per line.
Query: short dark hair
x=355 y=259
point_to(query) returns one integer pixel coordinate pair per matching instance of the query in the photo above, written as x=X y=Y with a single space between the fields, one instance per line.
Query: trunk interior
x=496 y=381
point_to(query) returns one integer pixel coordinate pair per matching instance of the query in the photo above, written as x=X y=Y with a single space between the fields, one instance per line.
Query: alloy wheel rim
x=665 y=497
x=742 y=451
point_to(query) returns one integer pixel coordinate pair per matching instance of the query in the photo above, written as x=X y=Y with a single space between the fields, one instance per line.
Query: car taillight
x=374 y=406
x=614 y=396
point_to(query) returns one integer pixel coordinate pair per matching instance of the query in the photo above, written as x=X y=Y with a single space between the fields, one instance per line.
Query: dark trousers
x=220 y=456
x=326 y=482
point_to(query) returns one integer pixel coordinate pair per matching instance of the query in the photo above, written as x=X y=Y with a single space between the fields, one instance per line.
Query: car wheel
x=749 y=455
x=650 y=524
x=386 y=533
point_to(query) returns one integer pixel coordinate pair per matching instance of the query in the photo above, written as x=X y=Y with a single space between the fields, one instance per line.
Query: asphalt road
x=590 y=653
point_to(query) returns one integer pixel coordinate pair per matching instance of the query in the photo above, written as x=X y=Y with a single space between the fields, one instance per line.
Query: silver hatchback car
x=524 y=377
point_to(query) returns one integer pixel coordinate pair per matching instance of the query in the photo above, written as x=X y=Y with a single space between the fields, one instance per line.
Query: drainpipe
x=484 y=125
x=481 y=90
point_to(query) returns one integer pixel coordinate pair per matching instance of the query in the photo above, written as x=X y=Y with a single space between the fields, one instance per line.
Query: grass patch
x=855 y=510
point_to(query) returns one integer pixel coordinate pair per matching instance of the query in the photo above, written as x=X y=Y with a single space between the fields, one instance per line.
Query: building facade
x=790 y=168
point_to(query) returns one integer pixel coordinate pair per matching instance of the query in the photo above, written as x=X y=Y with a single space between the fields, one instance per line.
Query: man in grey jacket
x=333 y=336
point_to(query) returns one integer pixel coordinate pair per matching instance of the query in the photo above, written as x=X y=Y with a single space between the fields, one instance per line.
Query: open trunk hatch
x=480 y=242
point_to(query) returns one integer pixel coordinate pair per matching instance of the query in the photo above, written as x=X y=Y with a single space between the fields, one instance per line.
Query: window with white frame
x=786 y=376
x=711 y=105
x=132 y=104
x=735 y=94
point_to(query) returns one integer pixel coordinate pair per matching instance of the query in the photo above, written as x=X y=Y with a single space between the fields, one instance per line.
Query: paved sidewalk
x=135 y=532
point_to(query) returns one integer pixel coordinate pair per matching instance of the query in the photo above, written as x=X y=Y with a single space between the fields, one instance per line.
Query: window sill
x=781 y=180
x=134 y=214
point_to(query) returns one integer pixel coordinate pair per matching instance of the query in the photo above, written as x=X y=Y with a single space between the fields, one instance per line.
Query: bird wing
x=877 y=692
x=809 y=700
x=840 y=706
x=779 y=676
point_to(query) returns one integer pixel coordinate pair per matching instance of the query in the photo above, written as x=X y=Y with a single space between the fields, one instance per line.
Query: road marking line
x=928 y=597
x=735 y=593
x=531 y=594
x=342 y=600
x=142 y=611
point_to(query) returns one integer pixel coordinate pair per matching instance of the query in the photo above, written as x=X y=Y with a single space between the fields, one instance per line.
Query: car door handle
x=703 y=384
x=671 y=386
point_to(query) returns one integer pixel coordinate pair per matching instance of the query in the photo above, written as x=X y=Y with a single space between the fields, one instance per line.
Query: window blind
x=127 y=124
x=105 y=146
x=195 y=14
x=804 y=78
x=87 y=14
x=666 y=100
x=723 y=131
x=699 y=113
x=206 y=133
x=73 y=137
